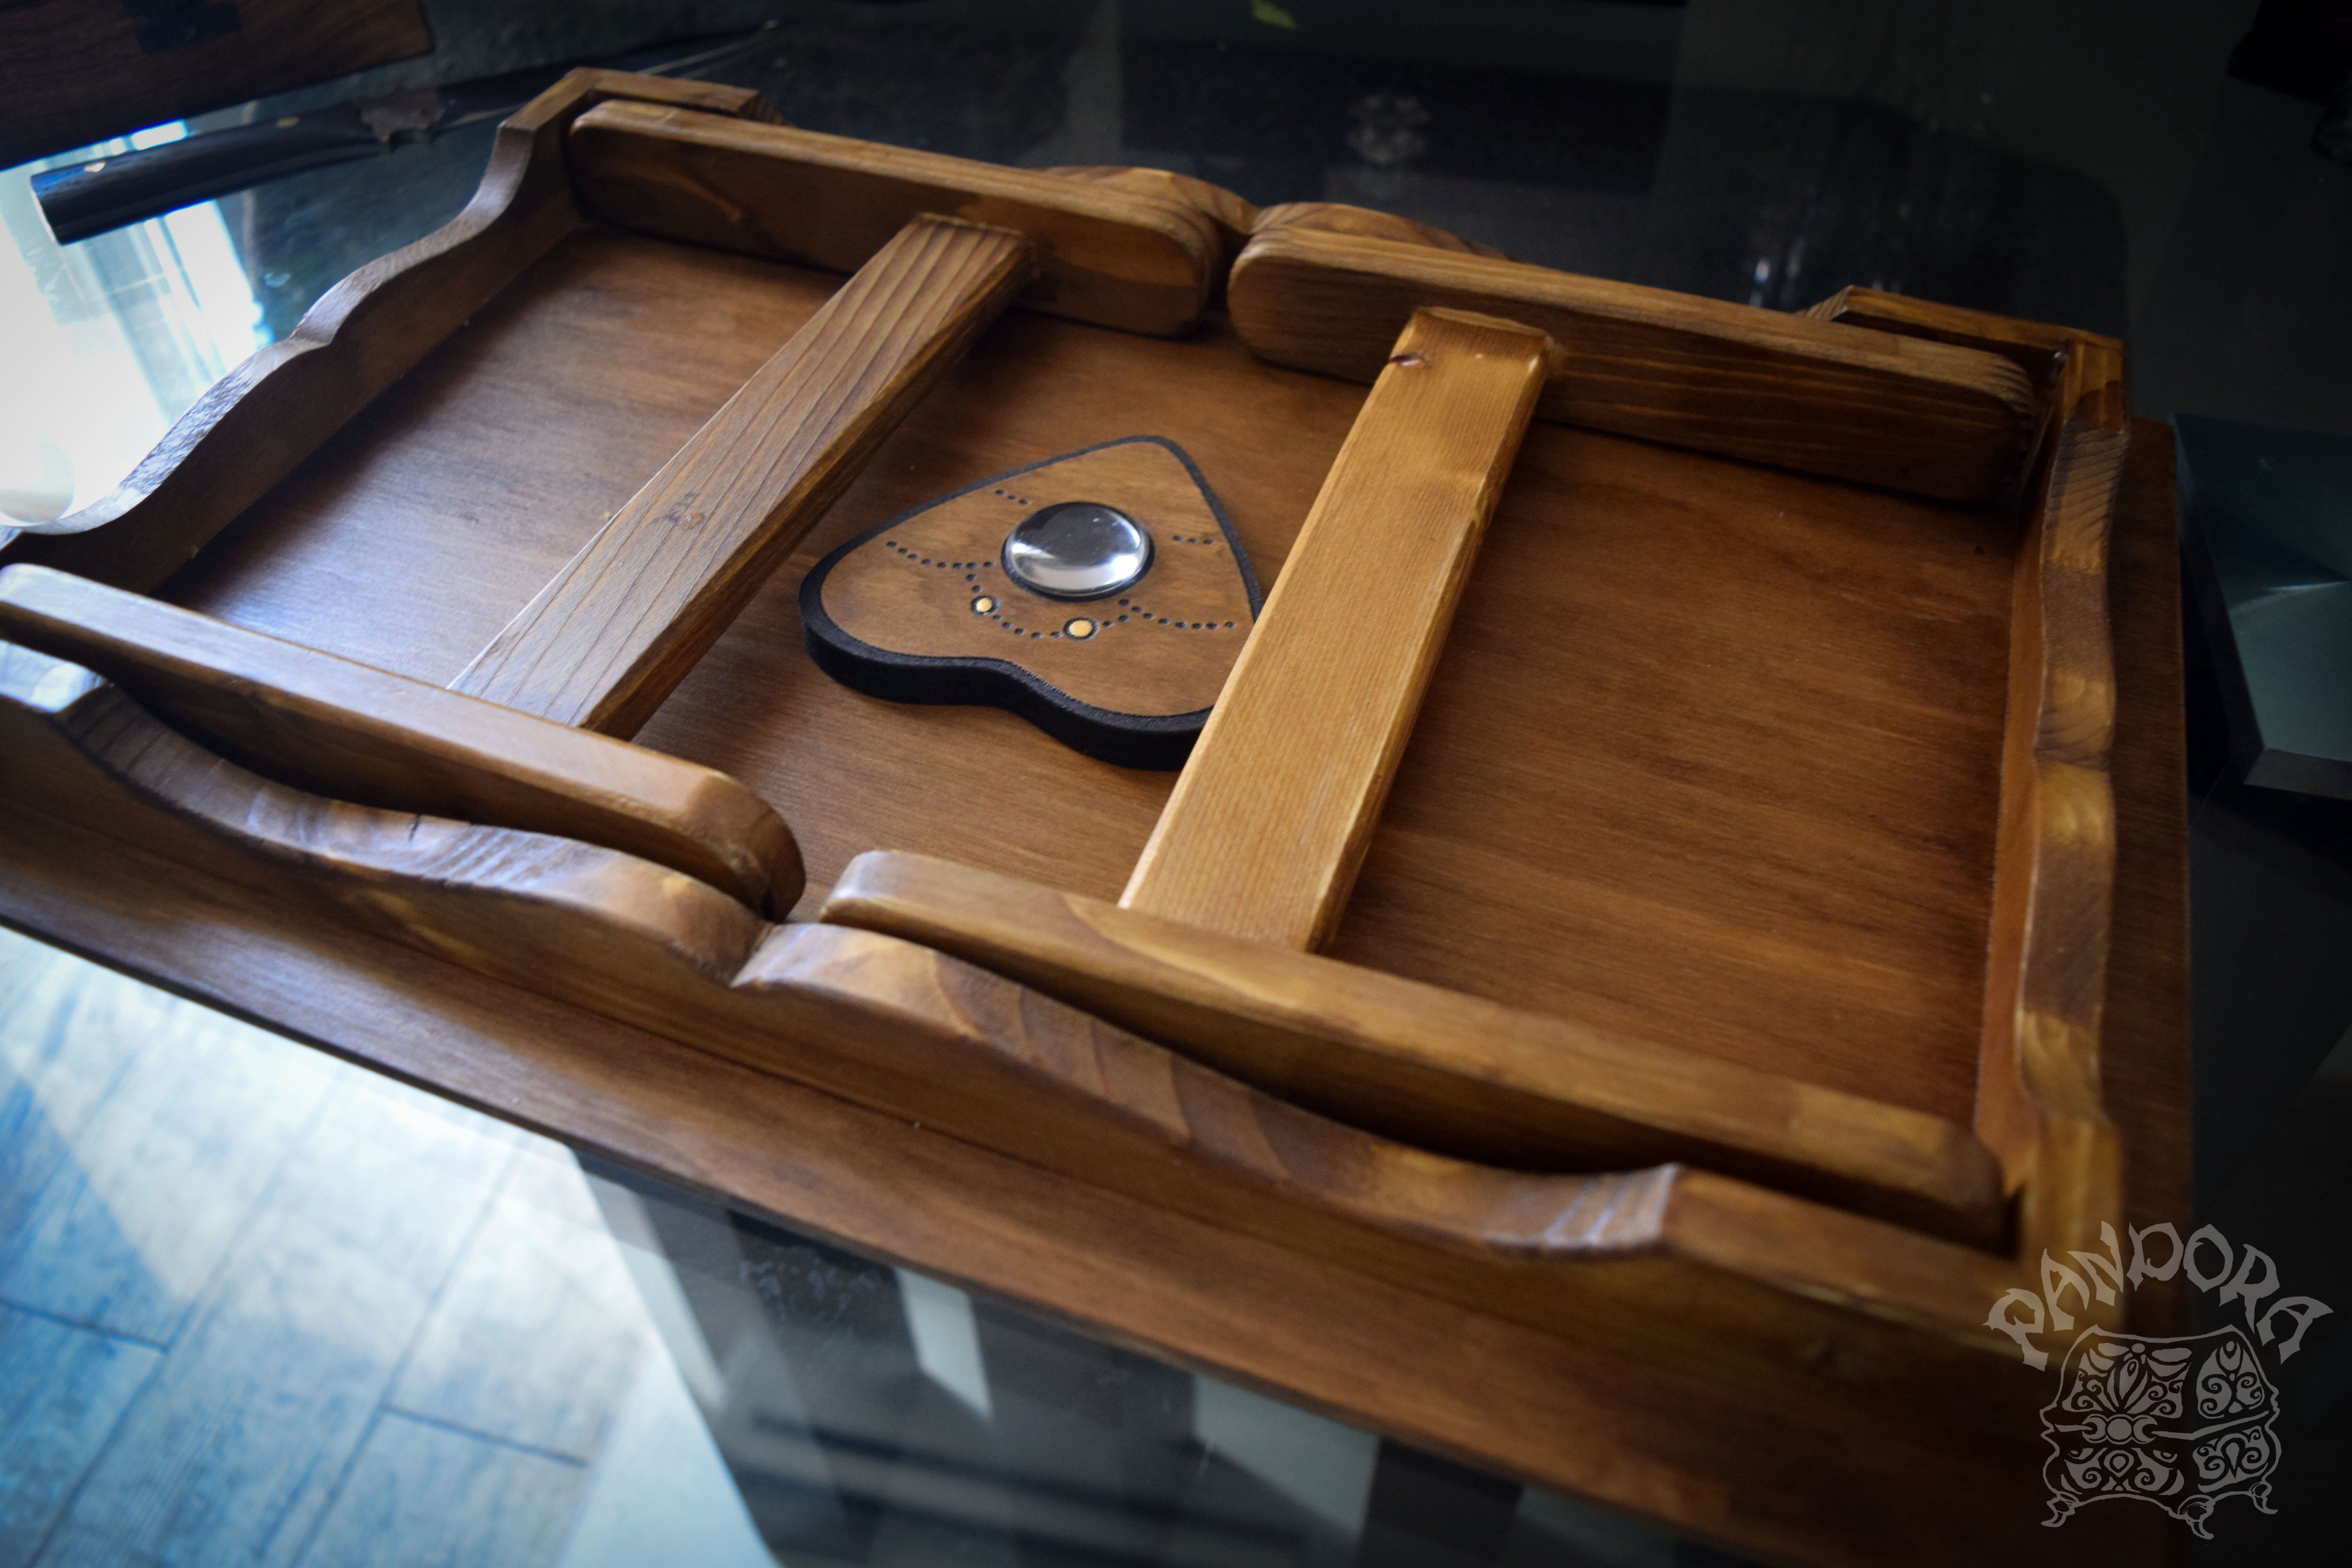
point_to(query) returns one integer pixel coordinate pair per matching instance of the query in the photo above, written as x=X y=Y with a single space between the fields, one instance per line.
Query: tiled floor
x=258 y=1307
x=261 y=1307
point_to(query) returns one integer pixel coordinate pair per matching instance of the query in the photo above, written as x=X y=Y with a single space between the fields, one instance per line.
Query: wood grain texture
x=255 y=424
x=2144 y=1058
x=1663 y=829
x=1269 y=822
x=1105 y=252
x=1229 y=215
x=78 y=72
x=1843 y=1476
x=1161 y=650
x=1428 y=1066
x=1922 y=417
x=1782 y=856
x=2038 y=1102
x=2037 y=348
x=2041 y=1104
x=1369 y=223
x=605 y=642
x=323 y=723
x=908 y=1031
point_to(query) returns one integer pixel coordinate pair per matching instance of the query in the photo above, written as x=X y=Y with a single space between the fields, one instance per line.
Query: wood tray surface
x=1712 y=754
x=1716 y=756
x=1864 y=1485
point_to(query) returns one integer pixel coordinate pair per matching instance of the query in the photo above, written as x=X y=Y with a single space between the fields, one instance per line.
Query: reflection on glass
x=109 y=339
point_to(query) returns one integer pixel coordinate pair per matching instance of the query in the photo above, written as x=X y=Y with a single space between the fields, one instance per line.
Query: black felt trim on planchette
x=1129 y=740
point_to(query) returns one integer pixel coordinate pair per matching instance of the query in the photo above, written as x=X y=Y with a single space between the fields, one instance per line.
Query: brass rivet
x=1080 y=628
x=983 y=605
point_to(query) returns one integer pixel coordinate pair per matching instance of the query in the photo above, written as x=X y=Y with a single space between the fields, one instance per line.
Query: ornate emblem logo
x=2180 y=1422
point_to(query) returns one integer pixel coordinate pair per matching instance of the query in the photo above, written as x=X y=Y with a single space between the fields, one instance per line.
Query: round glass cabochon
x=1077 y=550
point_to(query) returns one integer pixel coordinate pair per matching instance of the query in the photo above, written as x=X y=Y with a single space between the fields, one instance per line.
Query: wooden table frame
x=592 y=926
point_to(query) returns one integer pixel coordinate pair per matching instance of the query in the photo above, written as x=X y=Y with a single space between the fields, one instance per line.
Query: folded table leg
x=1269 y=821
x=620 y=625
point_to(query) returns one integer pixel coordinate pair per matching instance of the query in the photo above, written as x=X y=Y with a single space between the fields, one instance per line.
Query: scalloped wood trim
x=2039 y=1104
x=255 y=424
x=1723 y=1278
x=312 y=720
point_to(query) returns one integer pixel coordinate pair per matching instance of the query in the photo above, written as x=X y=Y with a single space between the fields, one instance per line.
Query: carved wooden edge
x=2039 y=1104
x=1229 y=215
x=1720 y=1278
x=1445 y=1071
x=2037 y=348
x=1107 y=253
x=1873 y=408
x=1236 y=221
x=1338 y=217
x=255 y=424
x=298 y=716
x=1845 y=1478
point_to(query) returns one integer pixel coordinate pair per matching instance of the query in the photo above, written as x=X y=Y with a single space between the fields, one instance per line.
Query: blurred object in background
x=2333 y=139
x=2303 y=47
x=84 y=199
x=2267 y=516
x=76 y=71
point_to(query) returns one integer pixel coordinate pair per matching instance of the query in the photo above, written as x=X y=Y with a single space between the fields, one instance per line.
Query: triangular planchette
x=921 y=609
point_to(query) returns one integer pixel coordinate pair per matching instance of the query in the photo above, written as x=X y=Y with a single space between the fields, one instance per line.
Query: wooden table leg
x=620 y=625
x=1267 y=827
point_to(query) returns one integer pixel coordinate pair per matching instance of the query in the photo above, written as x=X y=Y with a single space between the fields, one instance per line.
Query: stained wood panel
x=1922 y=417
x=1428 y=1065
x=1264 y=834
x=602 y=645
x=1656 y=1441
x=2143 y=1065
x=1757 y=1282
x=1107 y=252
x=1746 y=805
x=487 y=468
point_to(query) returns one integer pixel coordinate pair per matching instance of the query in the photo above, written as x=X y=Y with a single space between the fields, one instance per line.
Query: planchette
x=1118 y=647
